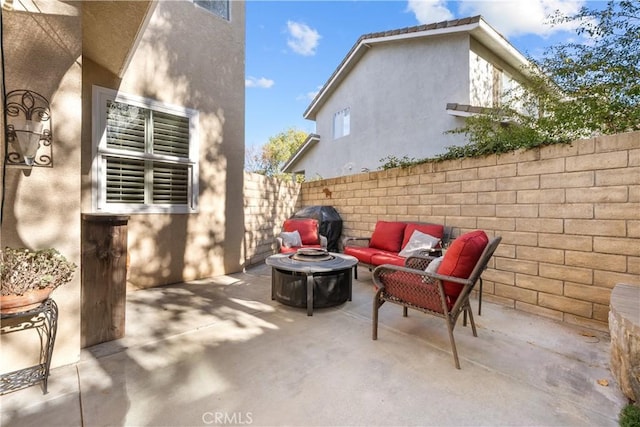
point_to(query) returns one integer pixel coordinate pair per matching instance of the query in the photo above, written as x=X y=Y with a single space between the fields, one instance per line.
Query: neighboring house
x=397 y=92
x=147 y=120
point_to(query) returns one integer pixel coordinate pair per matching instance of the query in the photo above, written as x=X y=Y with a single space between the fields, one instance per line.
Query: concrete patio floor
x=221 y=352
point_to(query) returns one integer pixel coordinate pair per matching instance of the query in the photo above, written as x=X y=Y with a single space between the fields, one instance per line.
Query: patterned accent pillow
x=291 y=239
x=419 y=241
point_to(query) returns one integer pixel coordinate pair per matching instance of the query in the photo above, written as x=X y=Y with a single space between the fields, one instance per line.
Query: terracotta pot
x=17 y=303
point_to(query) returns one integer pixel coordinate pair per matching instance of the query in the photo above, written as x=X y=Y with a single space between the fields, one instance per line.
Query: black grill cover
x=329 y=222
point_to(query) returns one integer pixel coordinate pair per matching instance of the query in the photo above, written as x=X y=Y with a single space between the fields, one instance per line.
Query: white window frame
x=215 y=12
x=100 y=153
x=342 y=123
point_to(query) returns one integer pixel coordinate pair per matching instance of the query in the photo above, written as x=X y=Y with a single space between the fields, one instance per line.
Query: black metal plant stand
x=44 y=319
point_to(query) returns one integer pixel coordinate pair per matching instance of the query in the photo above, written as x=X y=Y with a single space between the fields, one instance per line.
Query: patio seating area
x=222 y=352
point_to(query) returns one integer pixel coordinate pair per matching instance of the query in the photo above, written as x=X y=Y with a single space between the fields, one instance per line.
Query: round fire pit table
x=311 y=278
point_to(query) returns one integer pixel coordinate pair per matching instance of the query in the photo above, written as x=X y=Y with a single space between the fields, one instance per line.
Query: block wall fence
x=267 y=203
x=569 y=216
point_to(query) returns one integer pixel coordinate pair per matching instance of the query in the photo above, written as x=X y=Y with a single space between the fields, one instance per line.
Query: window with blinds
x=217 y=7
x=143 y=159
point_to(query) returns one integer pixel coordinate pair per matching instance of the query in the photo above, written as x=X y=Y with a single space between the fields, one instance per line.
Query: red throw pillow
x=435 y=230
x=387 y=236
x=460 y=259
x=308 y=229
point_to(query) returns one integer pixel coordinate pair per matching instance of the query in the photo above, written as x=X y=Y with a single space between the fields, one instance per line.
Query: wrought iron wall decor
x=28 y=129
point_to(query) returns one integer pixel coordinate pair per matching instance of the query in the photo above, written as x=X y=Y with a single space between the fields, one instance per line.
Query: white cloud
x=508 y=17
x=309 y=96
x=262 y=82
x=514 y=18
x=302 y=38
x=429 y=11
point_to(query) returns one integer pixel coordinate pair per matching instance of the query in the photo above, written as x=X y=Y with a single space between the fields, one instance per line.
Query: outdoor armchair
x=442 y=291
x=300 y=233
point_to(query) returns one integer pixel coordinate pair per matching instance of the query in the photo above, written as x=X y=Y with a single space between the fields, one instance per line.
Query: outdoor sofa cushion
x=460 y=259
x=308 y=229
x=419 y=241
x=388 y=239
x=388 y=236
x=435 y=230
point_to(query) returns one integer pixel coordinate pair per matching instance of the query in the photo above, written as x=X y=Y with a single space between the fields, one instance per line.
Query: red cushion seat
x=460 y=259
x=307 y=227
x=363 y=254
x=384 y=257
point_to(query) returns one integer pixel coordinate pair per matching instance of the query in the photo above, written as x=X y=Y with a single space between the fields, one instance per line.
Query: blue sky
x=293 y=47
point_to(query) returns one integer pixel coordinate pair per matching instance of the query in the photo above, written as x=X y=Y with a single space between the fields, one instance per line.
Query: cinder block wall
x=267 y=203
x=569 y=216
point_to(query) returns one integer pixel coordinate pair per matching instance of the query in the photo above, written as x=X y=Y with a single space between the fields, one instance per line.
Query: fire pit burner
x=312 y=255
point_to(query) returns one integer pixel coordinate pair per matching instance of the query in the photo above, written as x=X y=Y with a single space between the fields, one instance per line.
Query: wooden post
x=104 y=277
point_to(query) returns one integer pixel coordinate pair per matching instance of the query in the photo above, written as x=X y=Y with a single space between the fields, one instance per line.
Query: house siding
x=42 y=206
x=182 y=55
x=397 y=93
x=190 y=57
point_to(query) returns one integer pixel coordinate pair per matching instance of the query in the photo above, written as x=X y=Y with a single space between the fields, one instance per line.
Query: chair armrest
x=356 y=241
x=323 y=242
x=429 y=278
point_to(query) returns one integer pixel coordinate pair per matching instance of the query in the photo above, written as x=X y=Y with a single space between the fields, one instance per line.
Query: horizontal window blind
x=125 y=180
x=145 y=131
x=170 y=183
x=126 y=126
x=146 y=155
x=170 y=134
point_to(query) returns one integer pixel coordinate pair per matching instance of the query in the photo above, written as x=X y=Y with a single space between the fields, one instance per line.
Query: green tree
x=273 y=155
x=577 y=89
x=601 y=79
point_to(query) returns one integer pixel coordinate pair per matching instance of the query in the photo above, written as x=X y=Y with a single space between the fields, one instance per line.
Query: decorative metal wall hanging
x=28 y=129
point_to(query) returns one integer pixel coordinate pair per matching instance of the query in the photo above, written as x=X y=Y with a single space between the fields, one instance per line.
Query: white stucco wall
x=42 y=205
x=397 y=94
x=185 y=56
x=190 y=57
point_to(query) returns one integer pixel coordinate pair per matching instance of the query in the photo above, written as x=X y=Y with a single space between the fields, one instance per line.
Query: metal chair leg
x=480 y=298
x=453 y=344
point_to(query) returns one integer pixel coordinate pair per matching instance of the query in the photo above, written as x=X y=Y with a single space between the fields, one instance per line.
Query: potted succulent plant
x=28 y=277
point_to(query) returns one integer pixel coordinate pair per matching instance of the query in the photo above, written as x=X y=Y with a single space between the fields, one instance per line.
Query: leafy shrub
x=630 y=416
x=22 y=270
x=391 y=162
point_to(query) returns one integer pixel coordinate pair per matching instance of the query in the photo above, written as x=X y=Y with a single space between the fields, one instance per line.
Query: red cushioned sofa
x=387 y=241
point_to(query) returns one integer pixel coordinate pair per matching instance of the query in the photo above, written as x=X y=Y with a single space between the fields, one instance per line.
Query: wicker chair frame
x=411 y=287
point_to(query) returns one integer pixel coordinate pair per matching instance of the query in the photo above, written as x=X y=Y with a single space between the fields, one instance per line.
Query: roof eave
x=362 y=48
x=312 y=138
x=488 y=36
x=479 y=29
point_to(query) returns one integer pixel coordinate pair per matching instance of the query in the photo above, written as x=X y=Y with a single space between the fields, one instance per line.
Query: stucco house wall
x=191 y=58
x=397 y=95
x=398 y=87
x=173 y=52
x=42 y=51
